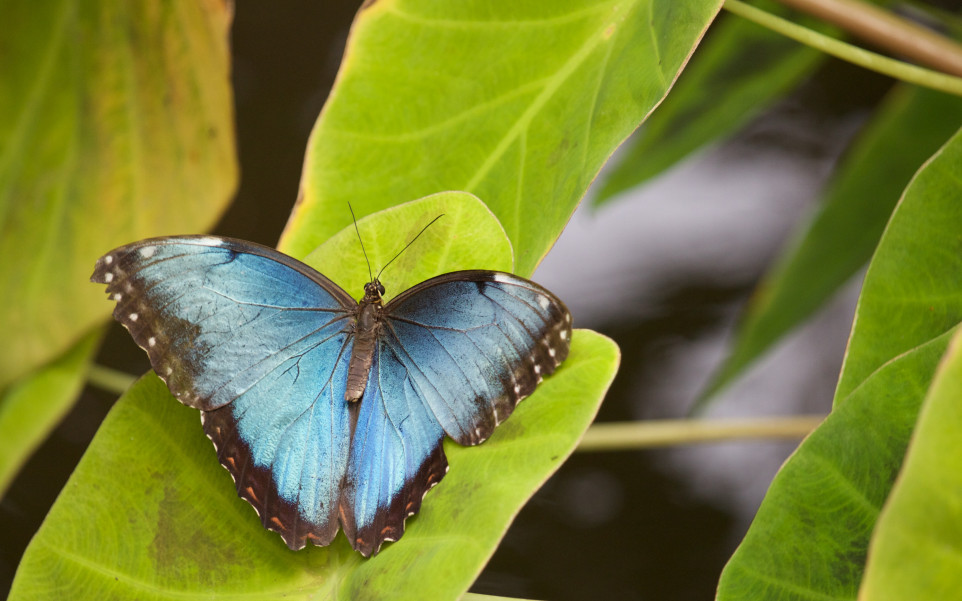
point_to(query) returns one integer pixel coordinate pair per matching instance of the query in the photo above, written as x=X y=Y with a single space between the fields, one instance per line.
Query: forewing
x=216 y=315
x=474 y=343
x=396 y=455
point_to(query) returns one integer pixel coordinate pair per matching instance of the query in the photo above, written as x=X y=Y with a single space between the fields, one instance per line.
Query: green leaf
x=150 y=514
x=738 y=71
x=916 y=552
x=911 y=292
x=468 y=236
x=519 y=103
x=811 y=535
x=33 y=405
x=115 y=123
x=908 y=128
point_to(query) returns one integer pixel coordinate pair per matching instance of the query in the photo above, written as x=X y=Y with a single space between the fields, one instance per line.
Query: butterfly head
x=373 y=291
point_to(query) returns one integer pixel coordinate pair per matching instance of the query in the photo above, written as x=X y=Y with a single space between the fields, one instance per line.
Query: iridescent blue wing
x=260 y=343
x=454 y=355
x=475 y=343
x=396 y=456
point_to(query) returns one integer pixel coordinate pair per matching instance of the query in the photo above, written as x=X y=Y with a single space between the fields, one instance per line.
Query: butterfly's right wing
x=474 y=343
x=259 y=342
x=396 y=456
x=454 y=355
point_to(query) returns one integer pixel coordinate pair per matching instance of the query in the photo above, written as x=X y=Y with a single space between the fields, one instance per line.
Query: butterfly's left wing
x=454 y=355
x=260 y=343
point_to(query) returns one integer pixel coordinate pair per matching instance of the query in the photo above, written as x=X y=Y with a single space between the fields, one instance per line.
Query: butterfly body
x=328 y=412
x=366 y=328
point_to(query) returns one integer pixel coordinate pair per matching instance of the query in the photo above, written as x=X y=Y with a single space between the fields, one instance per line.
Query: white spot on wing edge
x=563 y=335
x=148 y=251
x=118 y=296
x=108 y=277
x=133 y=317
x=108 y=259
x=502 y=278
x=151 y=341
x=544 y=302
x=210 y=241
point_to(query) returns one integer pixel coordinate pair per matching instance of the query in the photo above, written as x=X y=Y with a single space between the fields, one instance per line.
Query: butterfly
x=327 y=411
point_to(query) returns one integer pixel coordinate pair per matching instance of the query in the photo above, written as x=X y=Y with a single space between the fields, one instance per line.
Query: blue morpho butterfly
x=323 y=409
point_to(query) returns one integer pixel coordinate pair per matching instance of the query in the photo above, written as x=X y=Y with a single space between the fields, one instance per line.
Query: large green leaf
x=911 y=292
x=908 y=128
x=916 y=552
x=150 y=514
x=115 y=124
x=811 y=535
x=47 y=392
x=518 y=102
x=738 y=71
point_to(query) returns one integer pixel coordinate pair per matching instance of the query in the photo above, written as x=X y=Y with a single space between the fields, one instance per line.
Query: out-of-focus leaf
x=32 y=406
x=115 y=124
x=519 y=103
x=911 y=124
x=916 y=551
x=811 y=535
x=736 y=74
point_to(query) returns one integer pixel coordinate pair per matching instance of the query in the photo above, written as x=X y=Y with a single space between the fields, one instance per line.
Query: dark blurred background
x=663 y=271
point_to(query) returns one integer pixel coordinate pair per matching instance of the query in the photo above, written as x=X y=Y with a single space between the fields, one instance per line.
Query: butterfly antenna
x=350 y=208
x=408 y=244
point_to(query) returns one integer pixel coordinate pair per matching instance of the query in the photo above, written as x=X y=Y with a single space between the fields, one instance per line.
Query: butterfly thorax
x=366 y=325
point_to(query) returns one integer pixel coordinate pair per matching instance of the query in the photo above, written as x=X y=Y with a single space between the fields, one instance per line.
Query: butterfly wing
x=454 y=355
x=260 y=343
x=475 y=343
x=396 y=456
x=286 y=442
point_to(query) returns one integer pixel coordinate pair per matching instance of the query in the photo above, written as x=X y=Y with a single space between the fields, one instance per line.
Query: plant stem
x=887 y=30
x=642 y=435
x=108 y=379
x=480 y=597
x=847 y=52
